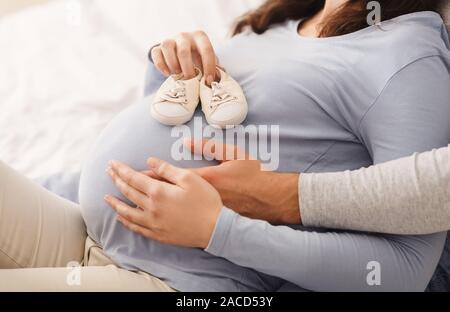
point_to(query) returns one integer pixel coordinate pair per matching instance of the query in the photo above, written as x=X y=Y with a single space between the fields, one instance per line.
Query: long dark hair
x=350 y=17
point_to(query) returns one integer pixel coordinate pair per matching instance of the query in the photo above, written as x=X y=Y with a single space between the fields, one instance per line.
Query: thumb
x=211 y=149
x=166 y=171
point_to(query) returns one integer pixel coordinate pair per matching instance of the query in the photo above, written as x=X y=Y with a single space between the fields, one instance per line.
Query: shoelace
x=220 y=95
x=176 y=94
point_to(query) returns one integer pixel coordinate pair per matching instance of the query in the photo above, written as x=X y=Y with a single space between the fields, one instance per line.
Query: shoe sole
x=170 y=121
x=231 y=123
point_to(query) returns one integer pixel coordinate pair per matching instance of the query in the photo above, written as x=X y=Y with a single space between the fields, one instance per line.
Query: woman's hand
x=247 y=189
x=181 y=210
x=184 y=52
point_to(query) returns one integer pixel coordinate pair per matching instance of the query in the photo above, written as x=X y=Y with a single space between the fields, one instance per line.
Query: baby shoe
x=224 y=103
x=176 y=100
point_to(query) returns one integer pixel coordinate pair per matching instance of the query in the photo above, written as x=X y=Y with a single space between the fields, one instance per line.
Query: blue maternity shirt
x=340 y=103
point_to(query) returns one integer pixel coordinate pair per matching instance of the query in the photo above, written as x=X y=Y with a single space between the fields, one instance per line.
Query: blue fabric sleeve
x=333 y=261
x=153 y=79
x=412 y=114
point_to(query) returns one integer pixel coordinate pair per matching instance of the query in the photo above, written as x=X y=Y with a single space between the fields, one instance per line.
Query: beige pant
x=43 y=238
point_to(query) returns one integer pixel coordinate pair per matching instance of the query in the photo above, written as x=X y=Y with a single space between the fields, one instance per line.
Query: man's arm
x=405 y=196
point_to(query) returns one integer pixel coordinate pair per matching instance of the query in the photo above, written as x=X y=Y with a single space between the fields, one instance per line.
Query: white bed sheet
x=68 y=66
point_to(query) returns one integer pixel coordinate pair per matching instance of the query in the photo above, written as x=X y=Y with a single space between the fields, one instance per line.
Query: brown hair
x=350 y=17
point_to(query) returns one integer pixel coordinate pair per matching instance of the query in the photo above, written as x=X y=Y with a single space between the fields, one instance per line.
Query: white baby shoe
x=176 y=100
x=224 y=103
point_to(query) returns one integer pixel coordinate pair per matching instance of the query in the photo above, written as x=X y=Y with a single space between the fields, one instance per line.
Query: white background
x=68 y=66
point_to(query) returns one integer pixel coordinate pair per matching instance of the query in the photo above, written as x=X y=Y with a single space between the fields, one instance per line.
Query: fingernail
x=109 y=170
x=106 y=197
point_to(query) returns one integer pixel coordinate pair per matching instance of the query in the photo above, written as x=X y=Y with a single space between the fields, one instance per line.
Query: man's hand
x=247 y=189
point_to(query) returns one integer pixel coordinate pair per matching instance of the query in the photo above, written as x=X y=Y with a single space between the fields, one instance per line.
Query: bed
x=68 y=66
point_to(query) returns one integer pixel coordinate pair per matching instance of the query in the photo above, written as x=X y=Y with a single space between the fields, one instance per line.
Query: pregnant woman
x=344 y=96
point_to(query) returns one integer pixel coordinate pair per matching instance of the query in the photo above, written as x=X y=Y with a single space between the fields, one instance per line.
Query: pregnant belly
x=132 y=137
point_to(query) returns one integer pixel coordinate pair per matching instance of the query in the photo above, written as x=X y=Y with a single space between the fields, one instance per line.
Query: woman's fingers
x=175 y=175
x=141 y=182
x=169 y=50
x=136 y=228
x=131 y=177
x=128 y=191
x=197 y=59
x=135 y=215
x=207 y=54
x=159 y=61
x=152 y=174
x=184 y=53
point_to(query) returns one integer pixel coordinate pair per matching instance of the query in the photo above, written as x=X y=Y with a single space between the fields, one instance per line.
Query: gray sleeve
x=411 y=115
x=153 y=79
x=405 y=196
